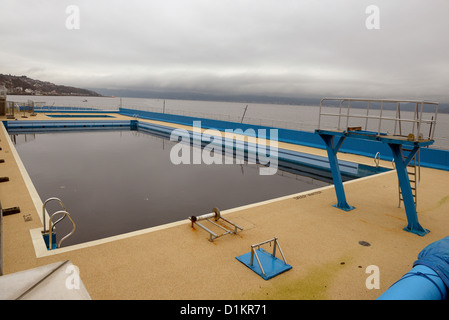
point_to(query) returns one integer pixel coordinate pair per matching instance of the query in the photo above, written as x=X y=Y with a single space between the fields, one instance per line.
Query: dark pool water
x=113 y=182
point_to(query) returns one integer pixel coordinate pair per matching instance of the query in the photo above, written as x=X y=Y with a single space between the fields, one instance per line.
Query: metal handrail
x=417 y=117
x=51 y=229
x=43 y=210
x=377 y=159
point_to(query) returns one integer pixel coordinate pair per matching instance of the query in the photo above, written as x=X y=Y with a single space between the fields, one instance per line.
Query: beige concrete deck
x=178 y=262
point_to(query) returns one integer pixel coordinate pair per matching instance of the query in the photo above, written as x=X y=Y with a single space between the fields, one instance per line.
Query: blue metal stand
x=404 y=183
x=267 y=266
x=332 y=151
x=271 y=265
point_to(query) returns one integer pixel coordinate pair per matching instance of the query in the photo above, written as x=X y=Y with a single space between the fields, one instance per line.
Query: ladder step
x=413 y=193
x=413 y=173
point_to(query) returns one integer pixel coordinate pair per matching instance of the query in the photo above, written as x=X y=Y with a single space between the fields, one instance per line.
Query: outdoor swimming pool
x=117 y=176
x=117 y=181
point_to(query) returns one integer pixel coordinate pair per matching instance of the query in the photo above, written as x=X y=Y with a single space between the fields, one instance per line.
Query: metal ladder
x=51 y=224
x=414 y=175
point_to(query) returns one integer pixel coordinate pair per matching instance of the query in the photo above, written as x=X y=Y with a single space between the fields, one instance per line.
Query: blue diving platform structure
x=354 y=117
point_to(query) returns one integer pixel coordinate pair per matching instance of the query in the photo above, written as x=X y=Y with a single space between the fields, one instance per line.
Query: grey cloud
x=289 y=48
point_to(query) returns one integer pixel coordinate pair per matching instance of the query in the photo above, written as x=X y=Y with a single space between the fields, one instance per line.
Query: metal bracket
x=217 y=216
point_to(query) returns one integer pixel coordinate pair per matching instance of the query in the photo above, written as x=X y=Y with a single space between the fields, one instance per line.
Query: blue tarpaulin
x=436 y=257
x=429 y=277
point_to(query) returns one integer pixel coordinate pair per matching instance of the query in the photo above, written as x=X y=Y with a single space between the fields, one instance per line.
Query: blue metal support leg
x=332 y=151
x=404 y=183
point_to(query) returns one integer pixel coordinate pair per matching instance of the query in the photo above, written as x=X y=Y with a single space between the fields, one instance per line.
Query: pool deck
x=175 y=261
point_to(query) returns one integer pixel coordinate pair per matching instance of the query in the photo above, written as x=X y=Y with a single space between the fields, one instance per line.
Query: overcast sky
x=290 y=48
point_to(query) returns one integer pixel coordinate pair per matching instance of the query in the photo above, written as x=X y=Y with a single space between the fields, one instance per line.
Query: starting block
x=268 y=266
x=217 y=216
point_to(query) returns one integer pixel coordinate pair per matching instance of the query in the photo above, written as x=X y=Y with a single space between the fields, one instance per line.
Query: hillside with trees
x=22 y=85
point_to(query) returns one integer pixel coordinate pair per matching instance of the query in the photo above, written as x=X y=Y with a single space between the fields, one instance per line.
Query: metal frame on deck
x=217 y=216
x=256 y=246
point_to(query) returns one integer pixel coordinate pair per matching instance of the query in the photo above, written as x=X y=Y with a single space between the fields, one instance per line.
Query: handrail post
x=398 y=112
x=347 y=114
x=380 y=117
x=415 y=118
x=434 y=121
x=319 y=116
x=367 y=115
x=420 y=119
x=339 y=114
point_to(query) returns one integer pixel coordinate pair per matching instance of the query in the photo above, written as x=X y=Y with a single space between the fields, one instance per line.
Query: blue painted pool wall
x=433 y=158
x=74 y=111
x=30 y=124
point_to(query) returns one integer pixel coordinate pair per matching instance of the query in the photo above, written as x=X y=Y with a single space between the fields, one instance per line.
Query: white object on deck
x=57 y=281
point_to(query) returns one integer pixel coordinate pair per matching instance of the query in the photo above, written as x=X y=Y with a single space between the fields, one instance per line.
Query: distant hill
x=309 y=101
x=244 y=98
x=25 y=86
